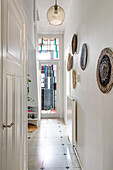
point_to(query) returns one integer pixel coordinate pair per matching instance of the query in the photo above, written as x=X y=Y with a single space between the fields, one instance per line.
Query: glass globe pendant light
x=55 y=15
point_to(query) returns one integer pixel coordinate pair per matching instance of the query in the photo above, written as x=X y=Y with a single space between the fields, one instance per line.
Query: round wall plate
x=74 y=43
x=83 y=59
x=74 y=78
x=105 y=70
x=70 y=62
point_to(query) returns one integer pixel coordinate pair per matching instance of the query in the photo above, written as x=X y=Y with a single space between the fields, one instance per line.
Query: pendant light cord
x=55 y=7
x=55 y=2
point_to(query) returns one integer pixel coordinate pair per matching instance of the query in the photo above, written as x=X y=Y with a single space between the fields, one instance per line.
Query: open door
x=14 y=84
x=49 y=89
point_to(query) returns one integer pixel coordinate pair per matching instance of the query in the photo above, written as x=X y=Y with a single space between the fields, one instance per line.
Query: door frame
x=57 y=63
x=24 y=52
x=61 y=72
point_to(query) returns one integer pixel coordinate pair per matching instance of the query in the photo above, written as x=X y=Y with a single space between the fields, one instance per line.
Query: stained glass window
x=48 y=88
x=48 y=48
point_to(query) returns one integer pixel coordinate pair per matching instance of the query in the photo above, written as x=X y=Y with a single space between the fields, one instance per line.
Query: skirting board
x=78 y=158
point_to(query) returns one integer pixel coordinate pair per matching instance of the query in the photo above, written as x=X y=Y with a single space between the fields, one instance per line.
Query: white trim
x=78 y=158
x=50 y=116
x=25 y=121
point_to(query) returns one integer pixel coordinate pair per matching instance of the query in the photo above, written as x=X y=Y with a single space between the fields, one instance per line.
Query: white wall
x=30 y=10
x=93 y=22
x=32 y=71
x=28 y=6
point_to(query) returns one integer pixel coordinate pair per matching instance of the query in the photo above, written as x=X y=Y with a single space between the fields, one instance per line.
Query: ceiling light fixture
x=55 y=15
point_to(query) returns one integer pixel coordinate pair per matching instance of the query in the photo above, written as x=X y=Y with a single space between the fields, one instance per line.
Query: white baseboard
x=78 y=158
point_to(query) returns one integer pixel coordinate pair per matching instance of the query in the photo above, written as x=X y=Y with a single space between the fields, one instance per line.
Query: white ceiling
x=43 y=26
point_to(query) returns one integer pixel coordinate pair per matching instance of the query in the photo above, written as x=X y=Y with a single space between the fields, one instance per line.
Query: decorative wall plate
x=83 y=59
x=74 y=43
x=74 y=78
x=105 y=70
x=70 y=62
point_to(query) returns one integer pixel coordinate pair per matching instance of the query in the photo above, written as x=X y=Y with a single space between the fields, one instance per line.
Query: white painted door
x=13 y=42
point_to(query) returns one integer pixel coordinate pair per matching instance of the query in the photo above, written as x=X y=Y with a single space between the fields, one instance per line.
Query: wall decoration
x=74 y=78
x=74 y=43
x=105 y=70
x=83 y=59
x=70 y=62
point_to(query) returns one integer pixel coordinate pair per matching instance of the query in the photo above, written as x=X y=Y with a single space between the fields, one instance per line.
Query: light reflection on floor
x=51 y=111
x=49 y=148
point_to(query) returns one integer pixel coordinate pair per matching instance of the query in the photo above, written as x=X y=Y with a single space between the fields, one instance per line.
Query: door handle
x=8 y=126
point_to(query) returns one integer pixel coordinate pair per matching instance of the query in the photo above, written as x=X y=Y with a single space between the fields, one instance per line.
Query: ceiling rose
x=55 y=15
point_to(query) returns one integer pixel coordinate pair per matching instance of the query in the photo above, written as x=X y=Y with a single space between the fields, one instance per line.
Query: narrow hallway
x=49 y=148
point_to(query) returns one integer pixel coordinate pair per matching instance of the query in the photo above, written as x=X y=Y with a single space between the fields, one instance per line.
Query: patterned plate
x=83 y=59
x=70 y=62
x=105 y=70
x=74 y=78
x=74 y=43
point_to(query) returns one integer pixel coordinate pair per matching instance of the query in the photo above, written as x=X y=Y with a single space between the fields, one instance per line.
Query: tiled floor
x=49 y=148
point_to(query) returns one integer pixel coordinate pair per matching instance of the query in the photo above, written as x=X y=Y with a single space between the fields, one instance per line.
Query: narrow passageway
x=49 y=148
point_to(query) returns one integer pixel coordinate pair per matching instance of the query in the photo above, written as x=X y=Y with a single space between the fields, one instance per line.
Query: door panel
x=18 y=121
x=14 y=29
x=10 y=119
